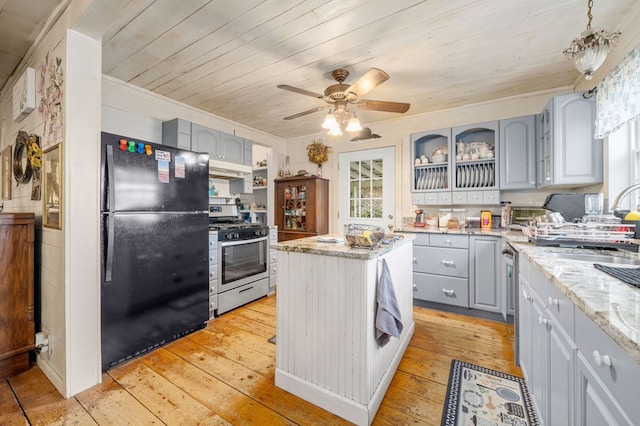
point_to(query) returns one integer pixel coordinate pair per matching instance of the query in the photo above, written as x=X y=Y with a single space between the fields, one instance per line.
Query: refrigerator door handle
x=110 y=187
x=108 y=267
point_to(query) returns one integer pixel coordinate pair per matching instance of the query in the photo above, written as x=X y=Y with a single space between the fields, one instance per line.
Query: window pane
x=376 y=208
x=365 y=189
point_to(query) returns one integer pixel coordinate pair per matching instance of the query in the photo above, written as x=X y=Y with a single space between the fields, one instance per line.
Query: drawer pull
x=543 y=321
x=447 y=241
x=415 y=260
x=601 y=359
x=415 y=287
x=448 y=262
x=553 y=302
x=448 y=293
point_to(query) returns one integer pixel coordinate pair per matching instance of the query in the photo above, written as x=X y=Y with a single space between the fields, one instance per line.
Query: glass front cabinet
x=456 y=165
x=301 y=208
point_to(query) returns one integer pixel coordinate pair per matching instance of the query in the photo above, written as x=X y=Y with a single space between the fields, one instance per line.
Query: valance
x=618 y=98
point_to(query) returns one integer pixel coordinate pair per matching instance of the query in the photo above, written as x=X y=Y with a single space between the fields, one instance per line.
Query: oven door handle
x=237 y=243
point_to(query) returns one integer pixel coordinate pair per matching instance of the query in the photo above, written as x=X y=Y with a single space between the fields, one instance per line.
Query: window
x=365 y=189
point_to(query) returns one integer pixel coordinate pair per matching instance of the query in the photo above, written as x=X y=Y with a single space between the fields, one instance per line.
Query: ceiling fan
x=338 y=96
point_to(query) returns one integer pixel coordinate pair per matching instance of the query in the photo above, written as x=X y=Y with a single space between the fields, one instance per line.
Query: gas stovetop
x=237 y=225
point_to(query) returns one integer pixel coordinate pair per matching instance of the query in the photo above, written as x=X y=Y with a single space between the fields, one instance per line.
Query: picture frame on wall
x=52 y=187
x=5 y=166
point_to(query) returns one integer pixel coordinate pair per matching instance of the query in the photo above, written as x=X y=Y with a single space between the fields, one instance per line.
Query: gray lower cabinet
x=485 y=289
x=458 y=270
x=441 y=269
x=564 y=357
x=547 y=352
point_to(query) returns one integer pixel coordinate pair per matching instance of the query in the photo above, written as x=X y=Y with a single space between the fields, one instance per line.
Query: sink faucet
x=616 y=203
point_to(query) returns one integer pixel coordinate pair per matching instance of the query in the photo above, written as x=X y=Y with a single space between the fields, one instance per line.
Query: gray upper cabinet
x=568 y=154
x=517 y=153
x=177 y=133
x=204 y=139
x=195 y=137
x=230 y=149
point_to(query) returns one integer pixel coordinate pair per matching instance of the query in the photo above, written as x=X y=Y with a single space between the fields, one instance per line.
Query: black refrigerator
x=154 y=246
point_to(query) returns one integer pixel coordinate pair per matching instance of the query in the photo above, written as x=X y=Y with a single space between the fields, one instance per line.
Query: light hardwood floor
x=224 y=374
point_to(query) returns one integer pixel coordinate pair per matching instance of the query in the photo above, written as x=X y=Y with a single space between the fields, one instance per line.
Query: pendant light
x=589 y=51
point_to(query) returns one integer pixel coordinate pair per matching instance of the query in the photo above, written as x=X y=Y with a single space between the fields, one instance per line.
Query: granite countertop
x=311 y=245
x=462 y=231
x=612 y=304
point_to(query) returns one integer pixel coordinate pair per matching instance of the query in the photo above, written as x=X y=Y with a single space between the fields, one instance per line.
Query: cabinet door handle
x=601 y=359
x=415 y=260
x=415 y=287
x=448 y=293
x=448 y=262
x=543 y=321
x=553 y=301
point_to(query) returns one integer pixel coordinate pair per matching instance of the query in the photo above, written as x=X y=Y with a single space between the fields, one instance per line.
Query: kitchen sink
x=595 y=258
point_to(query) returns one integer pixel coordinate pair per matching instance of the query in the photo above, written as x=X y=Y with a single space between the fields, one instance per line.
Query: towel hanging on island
x=388 y=318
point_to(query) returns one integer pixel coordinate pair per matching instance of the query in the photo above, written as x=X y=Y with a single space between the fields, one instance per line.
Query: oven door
x=242 y=262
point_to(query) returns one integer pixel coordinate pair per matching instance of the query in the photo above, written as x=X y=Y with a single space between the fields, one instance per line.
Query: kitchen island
x=326 y=350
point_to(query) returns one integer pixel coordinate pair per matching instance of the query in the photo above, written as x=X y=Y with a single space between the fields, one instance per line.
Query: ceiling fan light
x=354 y=125
x=330 y=122
x=335 y=131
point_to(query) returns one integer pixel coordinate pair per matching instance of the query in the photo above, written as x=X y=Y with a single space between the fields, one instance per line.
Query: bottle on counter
x=485 y=219
x=505 y=218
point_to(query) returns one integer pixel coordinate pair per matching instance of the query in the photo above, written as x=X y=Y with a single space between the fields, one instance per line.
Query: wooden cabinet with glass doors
x=301 y=207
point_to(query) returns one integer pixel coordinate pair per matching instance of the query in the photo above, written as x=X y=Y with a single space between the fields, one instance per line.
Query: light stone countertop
x=612 y=304
x=311 y=245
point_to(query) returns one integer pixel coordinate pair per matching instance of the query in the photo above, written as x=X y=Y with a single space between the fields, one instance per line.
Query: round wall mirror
x=21 y=165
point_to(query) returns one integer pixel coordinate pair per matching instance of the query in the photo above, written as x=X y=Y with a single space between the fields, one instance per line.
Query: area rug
x=478 y=396
x=272 y=339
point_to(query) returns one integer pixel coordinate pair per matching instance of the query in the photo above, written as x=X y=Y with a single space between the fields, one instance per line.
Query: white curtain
x=618 y=97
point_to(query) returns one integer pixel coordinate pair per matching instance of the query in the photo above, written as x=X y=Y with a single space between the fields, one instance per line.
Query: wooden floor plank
x=258 y=387
x=43 y=404
x=110 y=404
x=224 y=374
x=231 y=404
x=10 y=411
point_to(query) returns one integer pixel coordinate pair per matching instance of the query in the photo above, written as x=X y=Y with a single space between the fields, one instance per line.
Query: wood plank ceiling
x=227 y=56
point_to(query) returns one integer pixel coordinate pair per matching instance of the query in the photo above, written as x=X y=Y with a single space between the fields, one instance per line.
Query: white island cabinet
x=326 y=351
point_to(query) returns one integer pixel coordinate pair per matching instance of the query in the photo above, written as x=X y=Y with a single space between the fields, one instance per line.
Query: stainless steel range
x=238 y=261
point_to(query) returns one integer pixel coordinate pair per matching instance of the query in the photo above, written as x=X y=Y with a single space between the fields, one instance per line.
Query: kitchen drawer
x=242 y=295
x=431 y=198
x=213 y=258
x=421 y=239
x=273 y=268
x=273 y=235
x=435 y=260
x=417 y=198
x=560 y=307
x=213 y=272
x=623 y=376
x=444 y=197
x=213 y=240
x=434 y=288
x=273 y=256
x=459 y=197
x=449 y=241
x=490 y=197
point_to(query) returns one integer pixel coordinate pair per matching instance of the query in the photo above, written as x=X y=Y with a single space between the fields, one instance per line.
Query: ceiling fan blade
x=386 y=106
x=307 y=112
x=301 y=91
x=370 y=80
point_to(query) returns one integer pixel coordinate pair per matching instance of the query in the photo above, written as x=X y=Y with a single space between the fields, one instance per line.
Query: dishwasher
x=510 y=278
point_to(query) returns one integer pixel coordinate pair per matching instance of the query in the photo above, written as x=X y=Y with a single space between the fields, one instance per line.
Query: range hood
x=225 y=170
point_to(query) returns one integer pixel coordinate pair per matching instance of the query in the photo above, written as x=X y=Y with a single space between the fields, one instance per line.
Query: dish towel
x=388 y=318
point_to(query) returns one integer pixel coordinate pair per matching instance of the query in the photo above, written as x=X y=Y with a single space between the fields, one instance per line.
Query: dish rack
x=591 y=235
